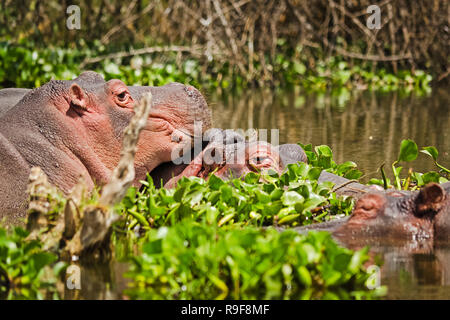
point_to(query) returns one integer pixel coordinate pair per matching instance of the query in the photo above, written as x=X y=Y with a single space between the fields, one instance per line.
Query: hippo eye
x=122 y=96
x=260 y=159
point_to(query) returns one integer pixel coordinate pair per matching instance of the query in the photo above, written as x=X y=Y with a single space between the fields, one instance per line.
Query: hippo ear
x=291 y=153
x=430 y=199
x=77 y=97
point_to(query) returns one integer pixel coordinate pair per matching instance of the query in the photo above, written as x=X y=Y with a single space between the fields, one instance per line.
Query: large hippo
x=74 y=129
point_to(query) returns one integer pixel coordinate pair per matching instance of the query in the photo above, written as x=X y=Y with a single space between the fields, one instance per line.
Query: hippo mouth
x=212 y=160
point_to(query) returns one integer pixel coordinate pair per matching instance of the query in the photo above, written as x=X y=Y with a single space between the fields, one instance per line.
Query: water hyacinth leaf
x=314 y=173
x=276 y=194
x=215 y=182
x=225 y=219
x=442 y=180
x=153 y=247
x=226 y=192
x=358 y=258
x=431 y=151
x=431 y=176
x=324 y=150
x=263 y=197
x=306 y=147
x=341 y=261
x=250 y=178
x=195 y=197
x=130 y=197
x=313 y=202
x=312 y=255
x=286 y=211
x=273 y=207
x=291 y=198
x=41 y=259
x=330 y=276
x=408 y=151
x=353 y=174
x=344 y=167
x=304 y=276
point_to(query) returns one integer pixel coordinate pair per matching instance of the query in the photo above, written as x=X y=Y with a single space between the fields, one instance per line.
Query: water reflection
x=410 y=271
x=363 y=127
x=98 y=281
x=423 y=275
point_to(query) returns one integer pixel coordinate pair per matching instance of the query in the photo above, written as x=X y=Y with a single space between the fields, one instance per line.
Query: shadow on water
x=366 y=128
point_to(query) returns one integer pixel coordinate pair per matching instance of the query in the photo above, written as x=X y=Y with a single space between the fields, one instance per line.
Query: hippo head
x=232 y=157
x=84 y=119
x=400 y=215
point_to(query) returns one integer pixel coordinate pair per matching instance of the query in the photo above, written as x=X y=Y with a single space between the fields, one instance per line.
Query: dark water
x=416 y=274
x=364 y=128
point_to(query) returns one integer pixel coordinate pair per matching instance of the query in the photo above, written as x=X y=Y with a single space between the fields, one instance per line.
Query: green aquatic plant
x=408 y=153
x=24 y=65
x=292 y=198
x=24 y=267
x=433 y=152
x=322 y=159
x=196 y=261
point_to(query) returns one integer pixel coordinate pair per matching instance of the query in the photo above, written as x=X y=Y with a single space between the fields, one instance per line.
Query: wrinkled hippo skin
x=74 y=129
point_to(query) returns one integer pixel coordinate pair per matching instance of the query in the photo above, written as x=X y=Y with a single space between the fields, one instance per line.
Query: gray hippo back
x=9 y=97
